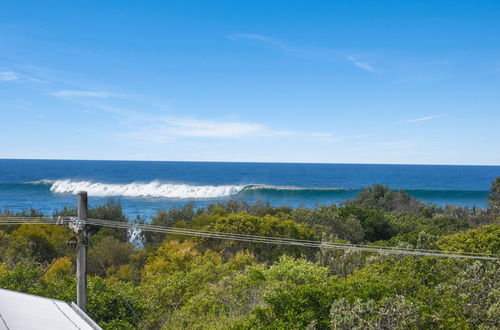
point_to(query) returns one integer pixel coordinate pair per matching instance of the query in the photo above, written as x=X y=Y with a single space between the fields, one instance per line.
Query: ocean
x=143 y=187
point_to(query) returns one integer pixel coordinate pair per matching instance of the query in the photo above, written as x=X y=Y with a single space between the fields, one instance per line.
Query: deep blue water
x=144 y=187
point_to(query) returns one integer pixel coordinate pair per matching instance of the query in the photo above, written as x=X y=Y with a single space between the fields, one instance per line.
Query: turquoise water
x=144 y=187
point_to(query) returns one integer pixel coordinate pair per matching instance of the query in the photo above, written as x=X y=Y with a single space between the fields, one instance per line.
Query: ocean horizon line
x=244 y=162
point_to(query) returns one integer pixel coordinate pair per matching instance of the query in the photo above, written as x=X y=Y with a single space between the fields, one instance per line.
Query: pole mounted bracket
x=60 y=220
x=72 y=242
x=75 y=224
x=79 y=227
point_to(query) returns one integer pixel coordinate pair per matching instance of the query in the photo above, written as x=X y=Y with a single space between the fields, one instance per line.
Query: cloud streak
x=159 y=128
x=191 y=127
x=303 y=52
x=424 y=118
x=68 y=94
x=166 y=129
x=400 y=144
x=274 y=43
x=254 y=36
x=8 y=76
x=361 y=64
x=171 y=128
x=163 y=129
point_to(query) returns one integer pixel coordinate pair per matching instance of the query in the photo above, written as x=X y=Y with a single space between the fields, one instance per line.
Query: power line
x=121 y=295
x=39 y=276
x=145 y=227
x=13 y=220
x=251 y=238
x=286 y=241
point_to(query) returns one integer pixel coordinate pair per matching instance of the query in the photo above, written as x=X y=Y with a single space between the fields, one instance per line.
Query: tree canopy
x=174 y=282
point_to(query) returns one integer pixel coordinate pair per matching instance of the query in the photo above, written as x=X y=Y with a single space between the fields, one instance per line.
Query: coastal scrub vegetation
x=174 y=282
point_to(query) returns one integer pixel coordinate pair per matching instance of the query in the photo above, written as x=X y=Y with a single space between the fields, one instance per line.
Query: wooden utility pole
x=81 y=259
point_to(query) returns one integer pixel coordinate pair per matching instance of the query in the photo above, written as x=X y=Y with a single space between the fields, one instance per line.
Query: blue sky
x=277 y=81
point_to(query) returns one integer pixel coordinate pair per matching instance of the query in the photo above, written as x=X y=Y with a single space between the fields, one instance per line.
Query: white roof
x=25 y=311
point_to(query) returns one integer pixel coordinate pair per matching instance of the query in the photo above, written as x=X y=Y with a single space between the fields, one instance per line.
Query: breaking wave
x=150 y=189
x=44 y=181
x=262 y=187
x=160 y=189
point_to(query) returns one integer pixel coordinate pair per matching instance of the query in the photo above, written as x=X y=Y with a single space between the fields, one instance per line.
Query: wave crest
x=160 y=189
x=43 y=181
x=150 y=189
x=264 y=187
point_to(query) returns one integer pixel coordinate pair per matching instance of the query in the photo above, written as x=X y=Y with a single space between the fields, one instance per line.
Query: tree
x=375 y=224
x=168 y=218
x=110 y=210
x=191 y=283
x=297 y=295
x=244 y=223
x=389 y=313
x=484 y=239
x=382 y=198
x=176 y=272
x=44 y=241
x=494 y=197
x=115 y=304
x=111 y=252
x=13 y=250
x=328 y=220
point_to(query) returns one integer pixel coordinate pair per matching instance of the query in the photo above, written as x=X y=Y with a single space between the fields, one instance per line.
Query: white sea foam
x=43 y=181
x=291 y=188
x=150 y=189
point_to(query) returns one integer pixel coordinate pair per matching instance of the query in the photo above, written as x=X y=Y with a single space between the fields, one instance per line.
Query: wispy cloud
x=166 y=129
x=424 y=118
x=157 y=127
x=8 y=76
x=274 y=43
x=191 y=127
x=331 y=138
x=304 y=52
x=68 y=94
x=401 y=144
x=170 y=128
x=361 y=64
x=254 y=36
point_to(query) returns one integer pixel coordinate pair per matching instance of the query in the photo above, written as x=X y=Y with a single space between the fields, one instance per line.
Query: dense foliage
x=175 y=282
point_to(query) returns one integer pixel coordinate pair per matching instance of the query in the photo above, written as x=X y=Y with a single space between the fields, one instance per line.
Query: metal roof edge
x=32 y=295
x=84 y=316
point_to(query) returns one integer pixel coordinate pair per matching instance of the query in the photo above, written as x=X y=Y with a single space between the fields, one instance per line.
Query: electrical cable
x=282 y=241
x=250 y=238
x=121 y=295
x=39 y=276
